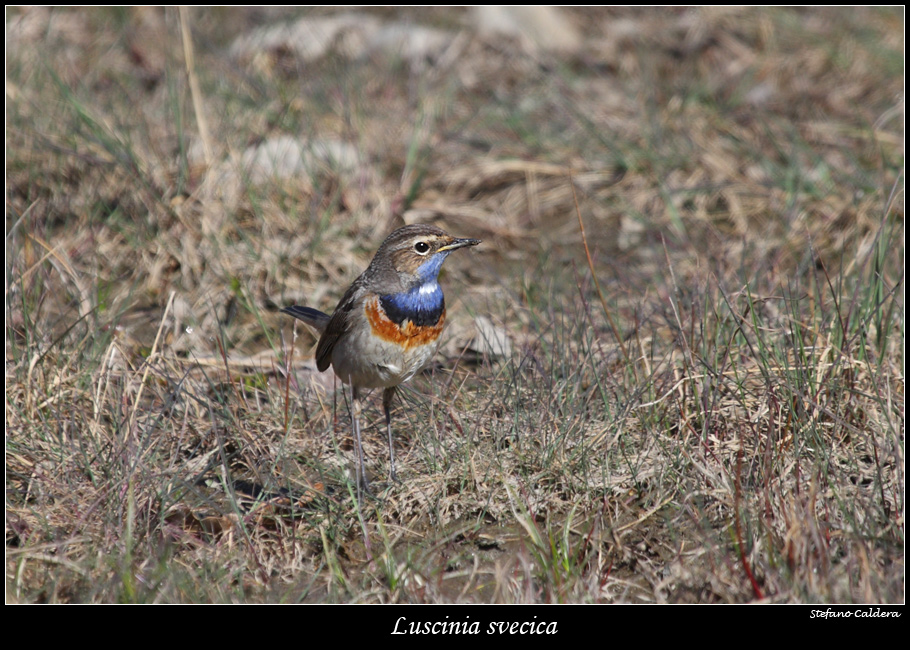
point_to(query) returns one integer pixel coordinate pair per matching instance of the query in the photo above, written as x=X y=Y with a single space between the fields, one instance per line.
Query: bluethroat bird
x=386 y=327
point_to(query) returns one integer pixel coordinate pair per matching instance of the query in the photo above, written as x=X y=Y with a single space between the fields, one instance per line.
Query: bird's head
x=416 y=252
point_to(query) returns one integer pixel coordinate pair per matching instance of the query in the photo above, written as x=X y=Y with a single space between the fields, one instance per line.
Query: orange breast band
x=407 y=335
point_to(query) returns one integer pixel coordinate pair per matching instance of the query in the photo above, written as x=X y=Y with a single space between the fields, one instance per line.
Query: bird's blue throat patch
x=423 y=305
x=429 y=270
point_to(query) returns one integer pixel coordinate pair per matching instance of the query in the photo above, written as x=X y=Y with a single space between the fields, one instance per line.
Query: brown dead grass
x=738 y=172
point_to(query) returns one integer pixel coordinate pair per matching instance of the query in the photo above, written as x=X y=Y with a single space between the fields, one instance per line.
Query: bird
x=387 y=325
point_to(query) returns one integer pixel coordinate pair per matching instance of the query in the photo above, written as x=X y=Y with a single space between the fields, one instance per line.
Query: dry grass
x=739 y=173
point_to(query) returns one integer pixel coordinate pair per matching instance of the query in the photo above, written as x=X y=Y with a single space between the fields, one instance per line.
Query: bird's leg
x=387 y=396
x=362 y=481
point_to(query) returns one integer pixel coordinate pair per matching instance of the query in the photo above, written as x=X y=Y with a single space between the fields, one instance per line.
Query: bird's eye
x=422 y=248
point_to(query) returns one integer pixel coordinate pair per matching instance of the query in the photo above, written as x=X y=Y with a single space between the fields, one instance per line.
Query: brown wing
x=339 y=324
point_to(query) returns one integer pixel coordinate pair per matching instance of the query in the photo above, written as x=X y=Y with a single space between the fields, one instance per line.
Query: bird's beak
x=459 y=243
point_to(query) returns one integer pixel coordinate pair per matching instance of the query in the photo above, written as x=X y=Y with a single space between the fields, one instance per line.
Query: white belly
x=367 y=361
x=378 y=353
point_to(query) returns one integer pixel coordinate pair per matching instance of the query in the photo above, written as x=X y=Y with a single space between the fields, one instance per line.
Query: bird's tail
x=312 y=317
